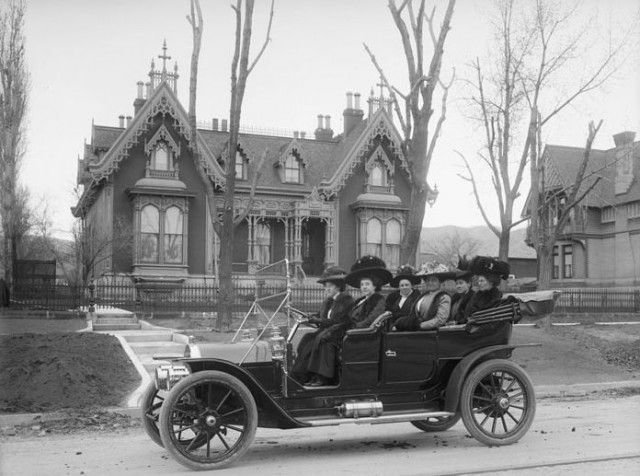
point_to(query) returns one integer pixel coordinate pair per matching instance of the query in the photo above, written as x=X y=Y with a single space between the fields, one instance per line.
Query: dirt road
x=568 y=437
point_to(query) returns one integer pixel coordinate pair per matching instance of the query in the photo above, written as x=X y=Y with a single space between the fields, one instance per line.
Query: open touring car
x=205 y=411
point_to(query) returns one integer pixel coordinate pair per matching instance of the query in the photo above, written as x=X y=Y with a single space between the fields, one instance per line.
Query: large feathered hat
x=462 y=271
x=486 y=265
x=368 y=267
x=333 y=274
x=405 y=272
x=439 y=271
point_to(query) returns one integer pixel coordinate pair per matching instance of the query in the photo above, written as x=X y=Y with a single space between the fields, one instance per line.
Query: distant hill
x=487 y=241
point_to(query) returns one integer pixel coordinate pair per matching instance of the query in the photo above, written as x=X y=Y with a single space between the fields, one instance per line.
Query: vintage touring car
x=205 y=411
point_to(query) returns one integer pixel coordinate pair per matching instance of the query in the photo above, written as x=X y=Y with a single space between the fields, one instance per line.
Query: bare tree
x=241 y=68
x=532 y=52
x=416 y=114
x=13 y=105
x=448 y=249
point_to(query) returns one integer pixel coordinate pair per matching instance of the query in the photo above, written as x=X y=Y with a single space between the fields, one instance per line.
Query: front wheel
x=497 y=402
x=152 y=401
x=434 y=424
x=208 y=420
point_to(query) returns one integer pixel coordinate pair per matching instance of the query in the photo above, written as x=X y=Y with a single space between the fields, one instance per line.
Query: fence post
x=636 y=301
x=91 y=315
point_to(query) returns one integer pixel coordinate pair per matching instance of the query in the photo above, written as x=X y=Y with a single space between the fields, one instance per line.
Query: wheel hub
x=503 y=403
x=210 y=420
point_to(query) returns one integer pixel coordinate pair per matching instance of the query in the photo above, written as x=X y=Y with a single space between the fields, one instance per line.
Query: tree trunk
x=409 y=245
x=545 y=266
x=503 y=244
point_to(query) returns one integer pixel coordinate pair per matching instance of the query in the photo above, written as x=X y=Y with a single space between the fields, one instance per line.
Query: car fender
x=462 y=369
x=272 y=415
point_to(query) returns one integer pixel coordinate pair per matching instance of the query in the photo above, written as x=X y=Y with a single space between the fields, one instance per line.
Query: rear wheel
x=436 y=423
x=152 y=400
x=497 y=402
x=208 y=420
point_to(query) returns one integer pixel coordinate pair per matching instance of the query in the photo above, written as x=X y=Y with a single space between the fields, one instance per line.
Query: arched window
x=263 y=243
x=173 y=235
x=292 y=169
x=373 y=241
x=149 y=234
x=241 y=167
x=392 y=244
x=378 y=176
x=162 y=157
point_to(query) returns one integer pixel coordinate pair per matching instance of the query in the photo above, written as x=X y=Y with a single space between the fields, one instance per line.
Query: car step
x=389 y=418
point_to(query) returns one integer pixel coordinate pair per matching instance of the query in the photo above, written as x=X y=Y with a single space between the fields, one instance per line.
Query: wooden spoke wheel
x=208 y=420
x=437 y=423
x=497 y=402
x=152 y=401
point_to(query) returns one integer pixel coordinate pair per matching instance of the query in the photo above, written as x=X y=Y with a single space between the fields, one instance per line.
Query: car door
x=409 y=357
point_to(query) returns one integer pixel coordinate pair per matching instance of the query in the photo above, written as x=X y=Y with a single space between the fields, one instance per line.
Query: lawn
x=40 y=326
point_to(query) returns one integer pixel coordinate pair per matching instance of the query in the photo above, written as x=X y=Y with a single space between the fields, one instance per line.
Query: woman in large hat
x=461 y=299
x=400 y=302
x=369 y=274
x=431 y=309
x=488 y=271
x=317 y=351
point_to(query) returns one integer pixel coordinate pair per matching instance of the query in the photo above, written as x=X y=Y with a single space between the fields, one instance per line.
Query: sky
x=85 y=57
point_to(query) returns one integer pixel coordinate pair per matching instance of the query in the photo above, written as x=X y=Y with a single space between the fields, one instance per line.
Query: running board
x=395 y=418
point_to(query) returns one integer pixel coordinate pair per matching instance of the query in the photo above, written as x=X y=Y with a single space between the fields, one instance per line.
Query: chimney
x=352 y=114
x=320 y=121
x=327 y=123
x=224 y=125
x=148 y=88
x=121 y=121
x=138 y=102
x=295 y=134
x=214 y=124
x=303 y=134
x=128 y=121
x=324 y=132
x=624 y=138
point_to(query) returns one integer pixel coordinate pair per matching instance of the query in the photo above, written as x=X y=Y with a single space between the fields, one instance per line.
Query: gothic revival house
x=600 y=245
x=319 y=201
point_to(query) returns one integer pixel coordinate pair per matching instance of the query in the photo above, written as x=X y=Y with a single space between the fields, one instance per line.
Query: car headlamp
x=168 y=375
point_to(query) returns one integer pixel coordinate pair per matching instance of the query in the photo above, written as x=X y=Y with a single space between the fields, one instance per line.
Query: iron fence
x=204 y=297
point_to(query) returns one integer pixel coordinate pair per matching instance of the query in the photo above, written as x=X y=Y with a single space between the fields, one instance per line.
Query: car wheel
x=151 y=404
x=436 y=423
x=497 y=402
x=208 y=420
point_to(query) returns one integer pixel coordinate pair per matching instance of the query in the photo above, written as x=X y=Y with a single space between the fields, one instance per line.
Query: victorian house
x=600 y=245
x=319 y=201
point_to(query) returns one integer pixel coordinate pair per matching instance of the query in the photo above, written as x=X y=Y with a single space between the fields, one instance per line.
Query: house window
x=263 y=243
x=608 y=214
x=162 y=157
x=149 y=234
x=373 y=240
x=173 y=235
x=556 y=263
x=392 y=244
x=633 y=210
x=292 y=169
x=378 y=176
x=567 y=258
x=241 y=167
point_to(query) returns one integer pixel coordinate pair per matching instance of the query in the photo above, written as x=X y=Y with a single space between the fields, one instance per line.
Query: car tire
x=431 y=425
x=151 y=405
x=498 y=393
x=198 y=411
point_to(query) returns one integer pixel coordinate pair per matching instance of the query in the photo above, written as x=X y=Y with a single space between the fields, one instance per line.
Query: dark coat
x=393 y=301
x=340 y=320
x=482 y=300
x=364 y=313
x=459 y=304
x=412 y=321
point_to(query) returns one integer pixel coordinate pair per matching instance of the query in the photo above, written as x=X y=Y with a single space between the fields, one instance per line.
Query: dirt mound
x=40 y=372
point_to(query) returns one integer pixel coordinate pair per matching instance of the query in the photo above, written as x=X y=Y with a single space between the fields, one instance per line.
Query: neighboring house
x=319 y=201
x=600 y=245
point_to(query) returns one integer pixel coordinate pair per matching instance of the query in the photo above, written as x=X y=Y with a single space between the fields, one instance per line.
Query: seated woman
x=431 y=309
x=399 y=303
x=317 y=352
x=460 y=300
x=369 y=273
x=488 y=271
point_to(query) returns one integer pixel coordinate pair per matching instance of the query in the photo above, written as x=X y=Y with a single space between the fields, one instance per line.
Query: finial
x=381 y=85
x=153 y=64
x=164 y=57
x=175 y=67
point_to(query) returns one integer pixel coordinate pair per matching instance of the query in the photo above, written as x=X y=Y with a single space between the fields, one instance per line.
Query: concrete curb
x=542 y=392
x=134 y=398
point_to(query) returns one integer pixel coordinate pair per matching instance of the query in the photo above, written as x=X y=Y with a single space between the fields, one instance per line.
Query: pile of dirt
x=45 y=372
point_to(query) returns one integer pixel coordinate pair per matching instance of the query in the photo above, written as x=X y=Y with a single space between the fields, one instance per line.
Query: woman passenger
x=488 y=271
x=400 y=302
x=369 y=273
x=460 y=300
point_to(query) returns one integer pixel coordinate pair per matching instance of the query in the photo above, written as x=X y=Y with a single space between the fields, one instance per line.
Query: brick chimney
x=223 y=128
x=121 y=121
x=624 y=138
x=214 y=124
x=139 y=101
x=352 y=114
x=129 y=120
x=324 y=132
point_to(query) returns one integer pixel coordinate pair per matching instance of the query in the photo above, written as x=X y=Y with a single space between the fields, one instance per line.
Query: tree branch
x=252 y=190
x=266 y=41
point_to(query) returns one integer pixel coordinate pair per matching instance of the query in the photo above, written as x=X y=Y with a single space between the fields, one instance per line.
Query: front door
x=409 y=357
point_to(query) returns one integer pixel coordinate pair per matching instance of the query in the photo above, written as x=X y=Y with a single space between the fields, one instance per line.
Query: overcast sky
x=85 y=57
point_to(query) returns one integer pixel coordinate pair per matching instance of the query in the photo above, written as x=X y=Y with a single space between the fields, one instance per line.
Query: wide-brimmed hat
x=463 y=274
x=333 y=274
x=438 y=271
x=405 y=272
x=487 y=265
x=368 y=267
